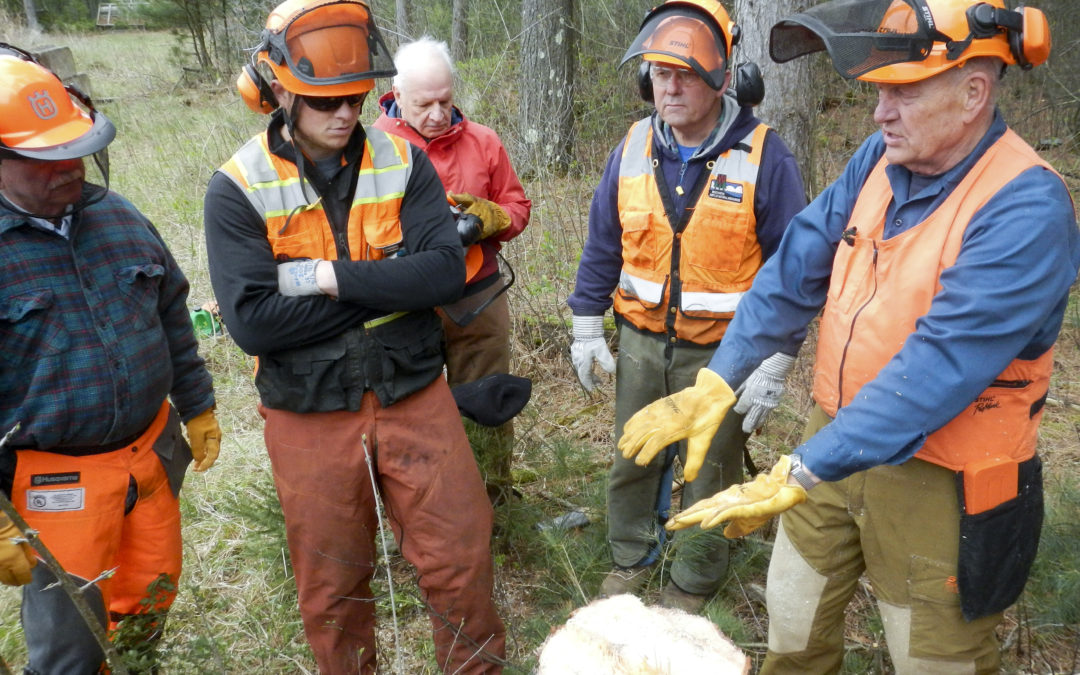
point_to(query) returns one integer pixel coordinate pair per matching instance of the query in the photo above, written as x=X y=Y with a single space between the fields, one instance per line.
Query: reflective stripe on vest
x=296 y=224
x=716 y=254
x=881 y=287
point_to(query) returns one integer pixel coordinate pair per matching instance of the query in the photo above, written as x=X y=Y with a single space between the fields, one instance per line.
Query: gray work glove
x=588 y=346
x=761 y=392
x=297 y=277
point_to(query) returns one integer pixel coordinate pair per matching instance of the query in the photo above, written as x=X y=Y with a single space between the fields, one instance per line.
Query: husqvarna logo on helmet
x=43 y=105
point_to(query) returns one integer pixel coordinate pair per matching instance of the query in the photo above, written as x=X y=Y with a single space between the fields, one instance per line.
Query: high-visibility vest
x=881 y=287
x=296 y=224
x=393 y=355
x=686 y=282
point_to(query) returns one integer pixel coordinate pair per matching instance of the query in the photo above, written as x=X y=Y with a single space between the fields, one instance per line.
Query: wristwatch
x=800 y=474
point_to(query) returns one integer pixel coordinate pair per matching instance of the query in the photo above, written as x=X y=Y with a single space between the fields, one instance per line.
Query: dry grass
x=236 y=612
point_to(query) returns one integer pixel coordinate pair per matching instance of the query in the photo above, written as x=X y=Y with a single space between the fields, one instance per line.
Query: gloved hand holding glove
x=747 y=506
x=16 y=559
x=694 y=413
x=588 y=346
x=761 y=392
x=493 y=218
x=204 y=436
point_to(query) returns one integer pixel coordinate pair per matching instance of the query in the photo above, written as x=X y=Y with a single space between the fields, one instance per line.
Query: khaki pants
x=435 y=502
x=473 y=351
x=639 y=497
x=899 y=525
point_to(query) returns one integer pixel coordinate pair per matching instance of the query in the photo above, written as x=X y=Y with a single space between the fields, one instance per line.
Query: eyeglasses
x=331 y=103
x=685 y=78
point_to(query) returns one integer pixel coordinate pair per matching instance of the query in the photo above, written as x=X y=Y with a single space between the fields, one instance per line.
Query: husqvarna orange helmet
x=900 y=41
x=695 y=34
x=324 y=47
x=42 y=119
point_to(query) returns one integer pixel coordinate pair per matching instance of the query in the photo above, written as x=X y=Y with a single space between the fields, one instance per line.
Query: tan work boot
x=674 y=597
x=624 y=580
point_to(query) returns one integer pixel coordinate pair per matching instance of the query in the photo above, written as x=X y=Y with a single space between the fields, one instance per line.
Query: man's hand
x=694 y=413
x=297 y=277
x=16 y=559
x=204 y=436
x=747 y=506
x=589 y=346
x=493 y=218
x=760 y=393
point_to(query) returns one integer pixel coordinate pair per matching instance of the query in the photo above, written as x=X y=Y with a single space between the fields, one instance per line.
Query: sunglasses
x=330 y=103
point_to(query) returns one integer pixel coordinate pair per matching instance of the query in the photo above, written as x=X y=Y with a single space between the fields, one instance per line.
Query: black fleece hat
x=493 y=399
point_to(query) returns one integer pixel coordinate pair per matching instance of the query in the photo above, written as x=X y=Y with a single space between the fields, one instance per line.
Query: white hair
x=417 y=56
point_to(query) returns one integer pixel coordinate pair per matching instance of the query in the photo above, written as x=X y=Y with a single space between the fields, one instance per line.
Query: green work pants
x=639 y=496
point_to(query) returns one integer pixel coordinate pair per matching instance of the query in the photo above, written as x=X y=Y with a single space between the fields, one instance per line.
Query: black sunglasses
x=330 y=103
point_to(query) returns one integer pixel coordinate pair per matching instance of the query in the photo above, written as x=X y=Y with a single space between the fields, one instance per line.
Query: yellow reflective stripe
x=384 y=319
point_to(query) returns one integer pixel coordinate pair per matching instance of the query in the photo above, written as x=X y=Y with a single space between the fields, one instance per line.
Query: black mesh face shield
x=859 y=35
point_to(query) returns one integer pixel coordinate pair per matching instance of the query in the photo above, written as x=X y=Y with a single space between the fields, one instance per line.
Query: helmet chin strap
x=290 y=114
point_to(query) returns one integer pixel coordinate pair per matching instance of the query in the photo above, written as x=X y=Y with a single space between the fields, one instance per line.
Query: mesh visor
x=860 y=35
x=682 y=38
x=337 y=44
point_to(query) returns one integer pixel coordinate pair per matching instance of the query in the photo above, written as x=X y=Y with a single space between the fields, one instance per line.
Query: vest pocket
x=639 y=238
x=717 y=245
x=412 y=355
x=305 y=379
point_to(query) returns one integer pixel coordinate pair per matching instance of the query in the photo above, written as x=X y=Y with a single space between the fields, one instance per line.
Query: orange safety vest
x=712 y=260
x=296 y=223
x=881 y=287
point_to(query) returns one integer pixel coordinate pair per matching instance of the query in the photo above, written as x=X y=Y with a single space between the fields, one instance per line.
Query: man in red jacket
x=476 y=171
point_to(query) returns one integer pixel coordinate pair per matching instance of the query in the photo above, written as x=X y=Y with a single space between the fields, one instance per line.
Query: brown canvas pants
x=435 y=503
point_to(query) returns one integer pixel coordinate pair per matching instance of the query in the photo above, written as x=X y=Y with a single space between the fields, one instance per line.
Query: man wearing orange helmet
x=942 y=259
x=329 y=244
x=477 y=174
x=95 y=339
x=691 y=202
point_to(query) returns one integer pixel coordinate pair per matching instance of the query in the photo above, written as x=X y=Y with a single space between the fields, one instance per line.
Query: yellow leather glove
x=16 y=560
x=493 y=218
x=204 y=435
x=694 y=413
x=747 y=506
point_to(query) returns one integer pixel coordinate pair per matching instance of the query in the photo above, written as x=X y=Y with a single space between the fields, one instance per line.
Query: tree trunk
x=31 y=16
x=401 y=19
x=459 y=30
x=548 y=62
x=789 y=99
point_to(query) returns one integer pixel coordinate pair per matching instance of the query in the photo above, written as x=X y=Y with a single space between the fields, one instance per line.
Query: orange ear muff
x=255 y=91
x=1031 y=45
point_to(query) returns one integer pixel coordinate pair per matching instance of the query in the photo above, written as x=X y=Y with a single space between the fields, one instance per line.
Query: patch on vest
x=40 y=479
x=70 y=499
x=720 y=188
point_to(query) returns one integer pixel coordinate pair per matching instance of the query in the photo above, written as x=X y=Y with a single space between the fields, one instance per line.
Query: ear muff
x=748 y=83
x=644 y=82
x=255 y=91
x=1026 y=29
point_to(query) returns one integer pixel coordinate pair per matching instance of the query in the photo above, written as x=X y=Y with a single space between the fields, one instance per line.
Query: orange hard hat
x=42 y=119
x=324 y=47
x=899 y=41
x=695 y=34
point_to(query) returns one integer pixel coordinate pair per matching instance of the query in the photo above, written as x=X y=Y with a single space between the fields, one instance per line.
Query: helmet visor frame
x=348 y=47
x=860 y=36
x=684 y=36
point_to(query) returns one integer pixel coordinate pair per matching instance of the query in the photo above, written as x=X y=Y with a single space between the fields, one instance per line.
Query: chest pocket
x=31 y=327
x=139 y=288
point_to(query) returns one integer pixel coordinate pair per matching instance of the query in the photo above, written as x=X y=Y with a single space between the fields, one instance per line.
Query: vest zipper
x=851 y=329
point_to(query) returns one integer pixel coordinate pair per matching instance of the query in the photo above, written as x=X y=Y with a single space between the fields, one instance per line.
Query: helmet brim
x=82 y=137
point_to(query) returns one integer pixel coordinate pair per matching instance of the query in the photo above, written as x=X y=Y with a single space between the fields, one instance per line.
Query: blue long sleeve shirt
x=779 y=196
x=1003 y=299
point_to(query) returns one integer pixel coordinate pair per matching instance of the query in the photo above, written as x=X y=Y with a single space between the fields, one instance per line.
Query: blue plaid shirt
x=94 y=329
